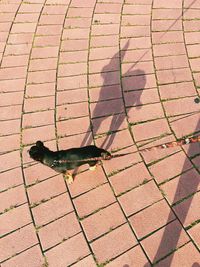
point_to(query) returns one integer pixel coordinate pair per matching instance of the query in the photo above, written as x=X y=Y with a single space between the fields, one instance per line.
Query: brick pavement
x=120 y=74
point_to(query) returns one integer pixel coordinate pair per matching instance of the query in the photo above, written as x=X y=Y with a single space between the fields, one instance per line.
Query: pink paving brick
x=103 y=221
x=13 y=143
x=26 y=17
x=11 y=178
x=150 y=129
x=10 y=112
x=102 y=196
x=106 y=108
x=44 y=52
x=172 y=62
x=54 y=19
x=105 y=65
x=73 y=56
x=31 y=257
x=77 y=23
x=52 y=209
x=15 y=219
x=72 y=69
x=17 y=242
x=68 y=252
x=73 y=126
x=77 y=3
x=38 y=118
x=195 y=234
x=35 y=90
x=145 y=113
x=158 y=214
x=10 y=160
x=108 y=8
x=78 y=12
x=86 y=181
x=37 y=172
x=50 y=30
x=126 y=161
x=66 y=83
x=115 y=240
x=15 y=73
x=17 y=49
x=59 y=230
x=43 y=64
x=140 y=81
x=20 y=38
x=12 y=197
x=10 y=127
x=102 y=79
x=41 y=76
x=105 y=29
x=182 y=164
x=72 y=111
x=71 y=96
x=23 y=27
x=86 y=262
x=39 y=104
x=135 y=31
x=46 y=189
x=103 y=52
x=139 y=97
x=167 y=37
x=167 y=13
x=177 y=90
x=104 y=40
x=128 y=68
x=174 y=75
x=12 y=85
x=111 y=91
x=46 y=40
x=137 y=43
x=30 y=8
x=169 y=49
x=165 y=240
x=106 y=18
x=39 y=133
x=74 y=45
x=132 y=257
x=140 y=198
x=15 y=61
x=129 y=178
x=187 y=255
x=187 y=211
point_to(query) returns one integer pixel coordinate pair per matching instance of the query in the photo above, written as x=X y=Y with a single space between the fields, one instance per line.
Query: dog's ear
x=39 y=144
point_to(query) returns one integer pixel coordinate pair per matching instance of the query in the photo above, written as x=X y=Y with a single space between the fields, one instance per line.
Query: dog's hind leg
x=68 y=177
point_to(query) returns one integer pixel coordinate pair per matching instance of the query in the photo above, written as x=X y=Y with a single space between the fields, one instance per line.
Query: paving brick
x=192 y=37
x=15 y=61
x=106 y=18
x=14 y=72
x=17 y=242
x=137 y=43
x=140 y=81
x=98 y=30
x=10 y=178
x=150 y=129
x=73 y=249
x=44 y=52
x=20 y=38
x=77 y=3
x=24 y=27
x=72 y=69
x=103 y=221
x=75 y=34
x=43 y=64
x=105 y=93
x=177 y=90
x=12 y=197
x=194 y=233
x=37 y=172
x=165 y=240
x=145 y=113
x=136 y=9
x=167 y=37
x=52 y=209
x=86 y=262
x=59 y=230
x=74 y=12
x=51 y=19
x=137 y=56
x=86 y=181
x=41 y=76
x=102 y=196
x=162 y=4
x=129 y=178
x=103 y=53
x=46 y=189
x=47 y=41
x=38 y=119
x=77 y=23
x=187 y=255
x=71 y=83
x=106 y=66
x=12 y=85
x=102 y=79
x=52 y=9
x=44 y=89
x=10 y=112
x=30 y=8
x=135 y=31
x=166 y=13
x=15 y=219
x=26 y=17
x=31 y=257
x=10 y=160
x=128 y=20
x=187 y=211
x=74 y=45
x=13 y=143
x=39 y=104
x=169 y=49
x=104 y=40
x=73 y=56
x=8 y=99
x=180 y=106
x=108 y=8
x=134 y=256
x=139 y=198
x=115 y=240
x=147 y=66
x=140 y=221
x=71 y=96
x=17 y=49
x=50 y=30
x=182 y=164
x=44 y=133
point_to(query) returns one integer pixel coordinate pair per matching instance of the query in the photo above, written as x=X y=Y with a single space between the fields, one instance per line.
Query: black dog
x=56 y=159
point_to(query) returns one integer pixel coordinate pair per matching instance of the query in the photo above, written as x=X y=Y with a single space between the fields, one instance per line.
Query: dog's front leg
x=68 y=177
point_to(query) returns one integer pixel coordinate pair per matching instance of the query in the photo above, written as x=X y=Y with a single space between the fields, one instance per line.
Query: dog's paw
x=93 y=168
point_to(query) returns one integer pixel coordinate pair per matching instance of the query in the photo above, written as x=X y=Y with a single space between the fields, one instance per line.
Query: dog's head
x=38 y=151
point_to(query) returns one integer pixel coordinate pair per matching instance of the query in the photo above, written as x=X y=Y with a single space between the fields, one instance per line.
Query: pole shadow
x=173 y=242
